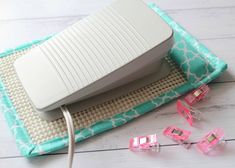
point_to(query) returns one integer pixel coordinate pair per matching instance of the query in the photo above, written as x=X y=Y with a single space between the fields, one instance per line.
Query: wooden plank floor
x=210 y=21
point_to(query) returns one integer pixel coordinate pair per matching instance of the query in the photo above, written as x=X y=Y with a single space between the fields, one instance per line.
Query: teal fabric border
x=185 y=51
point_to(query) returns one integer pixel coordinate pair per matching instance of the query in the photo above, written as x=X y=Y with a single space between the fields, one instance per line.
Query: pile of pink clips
x=185 y=108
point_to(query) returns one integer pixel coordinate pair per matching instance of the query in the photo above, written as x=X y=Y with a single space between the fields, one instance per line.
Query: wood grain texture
x=12 y=10
x=211 y=21
x=170 y=156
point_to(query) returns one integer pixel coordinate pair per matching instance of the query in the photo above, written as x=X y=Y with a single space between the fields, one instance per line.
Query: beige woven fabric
x=40 y=130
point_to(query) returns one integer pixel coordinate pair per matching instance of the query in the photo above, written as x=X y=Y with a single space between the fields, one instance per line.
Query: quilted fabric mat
x=192 y=65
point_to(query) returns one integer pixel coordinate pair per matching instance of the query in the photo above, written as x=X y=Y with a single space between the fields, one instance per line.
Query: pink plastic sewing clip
x=178 y=135
x=143 y=143
x=188 y=112
x=197 y=95
x=211 y=141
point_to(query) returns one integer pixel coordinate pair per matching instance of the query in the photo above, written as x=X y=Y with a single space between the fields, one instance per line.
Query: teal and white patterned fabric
x=197 y=63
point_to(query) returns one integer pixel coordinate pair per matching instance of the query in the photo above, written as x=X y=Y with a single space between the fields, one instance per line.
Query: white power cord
x=71 y=136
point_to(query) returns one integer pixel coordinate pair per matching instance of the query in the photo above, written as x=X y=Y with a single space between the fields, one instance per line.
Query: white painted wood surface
x=211 y=21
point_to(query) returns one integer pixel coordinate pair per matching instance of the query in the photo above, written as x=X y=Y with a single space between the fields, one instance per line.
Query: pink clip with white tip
x=197 y=95
x=178 y=135
x=188 y=112
x=211 y=140
x=144 y=143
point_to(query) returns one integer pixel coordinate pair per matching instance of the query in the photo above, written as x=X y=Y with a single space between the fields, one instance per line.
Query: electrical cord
x=71 y=136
